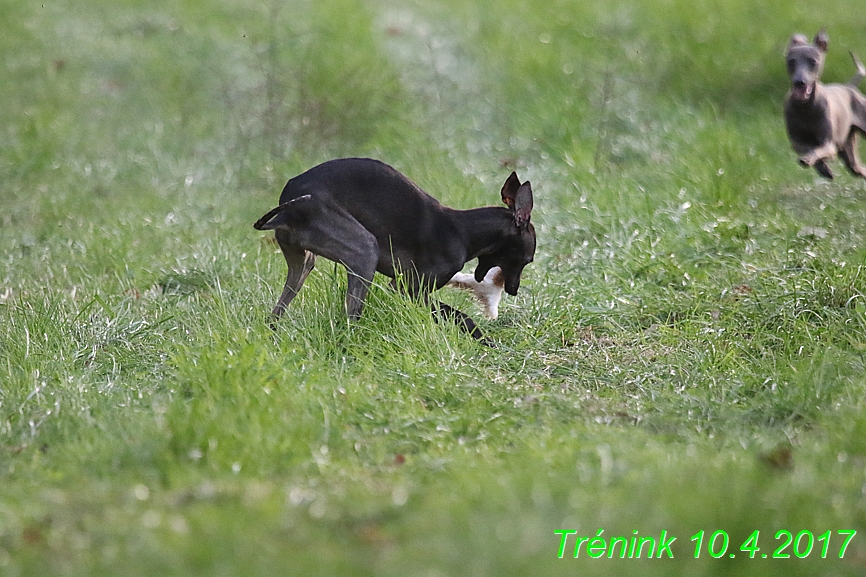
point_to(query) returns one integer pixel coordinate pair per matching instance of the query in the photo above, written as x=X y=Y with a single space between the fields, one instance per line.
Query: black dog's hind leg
x=326 y=230
x=300 y=262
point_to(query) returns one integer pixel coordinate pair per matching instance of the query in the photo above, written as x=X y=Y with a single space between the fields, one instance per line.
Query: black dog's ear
x=294 y=212
x=822 y=40
x=523 y=205
x=509 y=190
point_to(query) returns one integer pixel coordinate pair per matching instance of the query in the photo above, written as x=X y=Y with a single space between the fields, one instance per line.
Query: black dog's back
x=398 y=213
x=362 y=185
x=410 y=225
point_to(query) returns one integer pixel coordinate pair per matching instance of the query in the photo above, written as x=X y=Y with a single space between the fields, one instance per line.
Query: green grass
x=686 y=353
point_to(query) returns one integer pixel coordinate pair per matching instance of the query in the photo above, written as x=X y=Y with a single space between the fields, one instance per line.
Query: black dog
x=367 y=216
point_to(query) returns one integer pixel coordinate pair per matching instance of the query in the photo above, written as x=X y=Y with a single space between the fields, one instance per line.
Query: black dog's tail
x=303 y=207
x=260 y=224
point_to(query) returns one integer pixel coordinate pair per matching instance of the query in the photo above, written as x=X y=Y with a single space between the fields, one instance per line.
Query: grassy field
x=686 y=353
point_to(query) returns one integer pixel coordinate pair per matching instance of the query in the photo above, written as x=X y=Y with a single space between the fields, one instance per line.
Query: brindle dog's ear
x=797 y=40
x=523 y=205
x=509 y=190
x=822 y=41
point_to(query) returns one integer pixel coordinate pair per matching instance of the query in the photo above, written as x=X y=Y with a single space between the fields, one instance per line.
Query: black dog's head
x=805 y=64
x=517 y=249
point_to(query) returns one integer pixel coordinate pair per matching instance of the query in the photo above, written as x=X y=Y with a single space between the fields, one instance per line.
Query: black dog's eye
x=813 y=63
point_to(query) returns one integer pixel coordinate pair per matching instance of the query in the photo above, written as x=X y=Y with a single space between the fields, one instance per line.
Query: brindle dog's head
x=805 y=64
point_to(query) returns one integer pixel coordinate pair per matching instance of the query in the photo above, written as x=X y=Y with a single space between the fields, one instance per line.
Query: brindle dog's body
x=822 y=120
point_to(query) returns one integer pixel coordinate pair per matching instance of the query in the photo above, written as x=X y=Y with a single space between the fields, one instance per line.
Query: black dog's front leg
x=461 y=319
x=442 y=311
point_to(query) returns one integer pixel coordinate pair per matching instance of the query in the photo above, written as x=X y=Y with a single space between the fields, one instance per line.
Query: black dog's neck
x=483 y=228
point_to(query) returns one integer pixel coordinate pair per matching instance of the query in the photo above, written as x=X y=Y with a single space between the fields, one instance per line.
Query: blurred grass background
x=686 y=352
